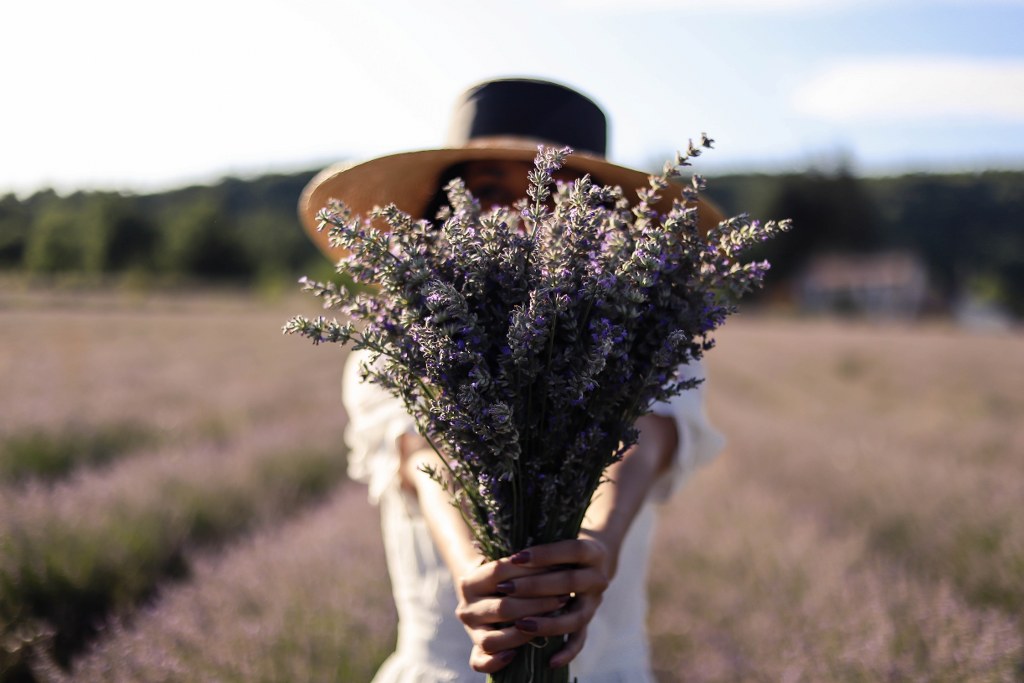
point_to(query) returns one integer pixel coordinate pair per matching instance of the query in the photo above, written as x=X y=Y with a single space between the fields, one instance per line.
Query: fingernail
x=507 y=656
x=506 y=587
x=564 y=598
x=528 y=625
x=522 y=557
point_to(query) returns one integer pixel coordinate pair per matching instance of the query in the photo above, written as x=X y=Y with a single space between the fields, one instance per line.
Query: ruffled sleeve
x=375 y=421
x=699 y=441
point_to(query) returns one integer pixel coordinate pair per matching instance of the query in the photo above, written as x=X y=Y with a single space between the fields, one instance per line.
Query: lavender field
x=173 y=505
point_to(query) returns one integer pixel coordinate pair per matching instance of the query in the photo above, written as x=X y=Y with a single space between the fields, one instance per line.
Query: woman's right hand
x=548 y=590
x=489 y=616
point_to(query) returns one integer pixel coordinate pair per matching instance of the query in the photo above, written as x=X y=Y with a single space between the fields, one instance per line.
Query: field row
x=134 y=439
x=102 y=541
x=305 y=601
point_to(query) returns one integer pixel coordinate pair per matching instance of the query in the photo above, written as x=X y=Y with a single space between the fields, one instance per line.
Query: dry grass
x=862 y=526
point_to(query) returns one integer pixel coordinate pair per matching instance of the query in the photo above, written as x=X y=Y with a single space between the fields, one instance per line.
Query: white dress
x=432 y=645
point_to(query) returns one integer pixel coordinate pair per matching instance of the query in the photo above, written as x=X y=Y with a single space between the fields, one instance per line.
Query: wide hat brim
x=410 y=181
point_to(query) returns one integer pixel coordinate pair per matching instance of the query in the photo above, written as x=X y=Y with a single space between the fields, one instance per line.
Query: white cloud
x=916 y=88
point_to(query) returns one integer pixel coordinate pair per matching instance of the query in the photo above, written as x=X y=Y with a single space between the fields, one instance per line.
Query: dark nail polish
x=522 y=557
x=528 y=625
x=506 y=587
x=507 y=656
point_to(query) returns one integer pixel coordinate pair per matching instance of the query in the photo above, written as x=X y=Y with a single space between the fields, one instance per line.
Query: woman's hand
x=548 y=590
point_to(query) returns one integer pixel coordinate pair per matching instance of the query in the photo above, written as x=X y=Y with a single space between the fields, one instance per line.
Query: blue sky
x=141 y=96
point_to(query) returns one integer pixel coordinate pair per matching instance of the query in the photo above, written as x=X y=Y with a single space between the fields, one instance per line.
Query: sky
x=146 y=96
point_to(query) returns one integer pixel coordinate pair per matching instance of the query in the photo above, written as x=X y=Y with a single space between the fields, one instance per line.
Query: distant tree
x=273 y=242
x=266 y=214
x=117 y=235
x=967 y=228
x=755 y=194
x=830 y=213
x=54 y=244
x=15 y=221
x=201 y=240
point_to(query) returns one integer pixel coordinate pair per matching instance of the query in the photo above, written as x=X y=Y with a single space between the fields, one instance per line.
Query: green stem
x=531 y=664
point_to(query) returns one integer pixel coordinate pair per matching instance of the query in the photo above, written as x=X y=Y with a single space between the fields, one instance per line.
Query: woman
x=590 y=590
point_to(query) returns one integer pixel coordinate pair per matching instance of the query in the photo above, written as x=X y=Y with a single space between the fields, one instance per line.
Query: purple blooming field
x=863 y=524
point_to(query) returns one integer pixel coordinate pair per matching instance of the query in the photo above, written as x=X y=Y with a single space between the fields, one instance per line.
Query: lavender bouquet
x=527 y=340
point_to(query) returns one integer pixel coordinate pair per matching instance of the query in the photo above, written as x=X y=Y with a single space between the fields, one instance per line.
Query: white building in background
x=883 y=285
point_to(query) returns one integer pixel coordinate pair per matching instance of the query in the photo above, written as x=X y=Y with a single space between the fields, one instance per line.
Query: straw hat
x=497 y=120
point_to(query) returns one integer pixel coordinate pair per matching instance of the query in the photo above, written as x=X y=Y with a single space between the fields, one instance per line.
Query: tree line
x=236 y=231
x=967 y=229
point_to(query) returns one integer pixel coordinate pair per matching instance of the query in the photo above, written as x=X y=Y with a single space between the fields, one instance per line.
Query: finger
x=489 y=580
x=573 y=646
x=570 y=621
x=486 y=579
x=556 y=583
x=493 y=641
x=496 y=610
x=492 y=578
x=486 y=663
x=552 y=626
x=577 y=551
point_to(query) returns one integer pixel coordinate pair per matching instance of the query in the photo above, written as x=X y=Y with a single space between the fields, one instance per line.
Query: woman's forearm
x=450 y=533
x=628 y=482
